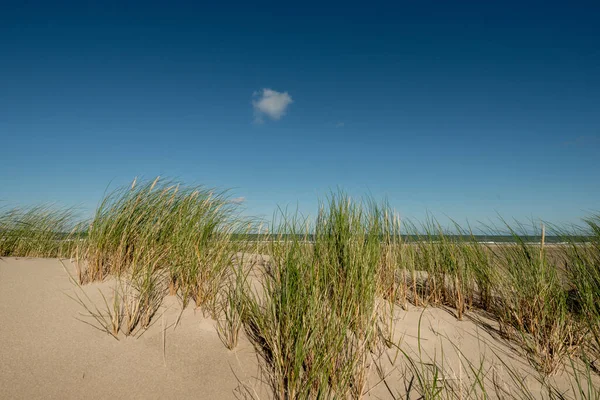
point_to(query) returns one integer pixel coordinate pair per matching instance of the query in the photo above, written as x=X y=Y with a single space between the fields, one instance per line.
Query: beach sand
x=46 y=351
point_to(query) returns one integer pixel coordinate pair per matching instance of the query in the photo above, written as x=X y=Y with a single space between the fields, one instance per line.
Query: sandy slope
x=46 y=352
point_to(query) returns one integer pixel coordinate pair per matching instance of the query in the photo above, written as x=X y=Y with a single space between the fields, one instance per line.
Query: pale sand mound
x=45 y=352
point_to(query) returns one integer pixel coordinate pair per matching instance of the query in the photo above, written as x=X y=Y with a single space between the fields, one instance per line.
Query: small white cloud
x=271 y=103
x=238 y=200
x=339 y=125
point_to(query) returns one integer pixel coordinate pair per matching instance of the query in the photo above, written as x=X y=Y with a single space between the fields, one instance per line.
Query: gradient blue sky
x=465 y=108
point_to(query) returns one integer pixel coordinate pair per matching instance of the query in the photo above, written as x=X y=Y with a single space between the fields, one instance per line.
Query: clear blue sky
x=465 y=108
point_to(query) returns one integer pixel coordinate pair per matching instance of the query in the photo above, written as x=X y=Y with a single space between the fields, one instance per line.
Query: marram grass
x=322 y=305
x=186 y=232
x=40 y=231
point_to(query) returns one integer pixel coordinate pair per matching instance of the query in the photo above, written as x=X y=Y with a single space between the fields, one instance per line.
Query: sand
x=46 y=351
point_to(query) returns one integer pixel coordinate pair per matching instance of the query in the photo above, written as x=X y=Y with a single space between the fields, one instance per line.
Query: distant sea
x=489 y=239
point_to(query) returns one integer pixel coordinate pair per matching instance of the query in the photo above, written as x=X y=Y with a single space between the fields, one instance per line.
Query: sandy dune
x=46 y=351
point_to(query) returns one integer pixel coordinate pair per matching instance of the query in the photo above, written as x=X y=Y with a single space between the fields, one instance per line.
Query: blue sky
x=466 y=109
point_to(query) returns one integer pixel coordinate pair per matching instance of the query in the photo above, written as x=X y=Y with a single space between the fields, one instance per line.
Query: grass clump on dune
x=158 y=237
x=517 y=283
x=583 y=271
x=40 y=231
x=314 y=319
x=442 y=269
x=532 y=304
x=129 y=309
x=184 y=226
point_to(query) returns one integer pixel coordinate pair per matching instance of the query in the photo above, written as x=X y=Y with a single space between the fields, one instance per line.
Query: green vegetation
x=42 y=231
x=319 y=307
x=532 y=303
x=583 y=276
x=314 y=319
x=161 y=229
